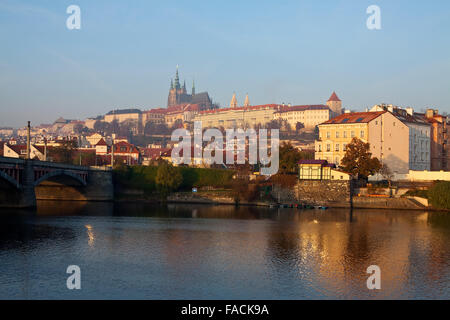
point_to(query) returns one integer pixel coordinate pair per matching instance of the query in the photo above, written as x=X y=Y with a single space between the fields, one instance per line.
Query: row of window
x=337 y=147
x=345 y=134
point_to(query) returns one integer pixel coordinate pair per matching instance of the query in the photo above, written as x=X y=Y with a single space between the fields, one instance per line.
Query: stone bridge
x=22 y=182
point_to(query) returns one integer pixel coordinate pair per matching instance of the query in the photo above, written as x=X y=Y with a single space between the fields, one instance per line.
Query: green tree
x=439 y=195
x=358 y=160
x=290 y=156
x=168 y=179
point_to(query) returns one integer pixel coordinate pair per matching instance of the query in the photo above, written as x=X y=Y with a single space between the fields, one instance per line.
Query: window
x=352 y=134
x=328 y=135
x=344 y=147
x=362 y=134
x=320 y=148
x=336 y=147
x=328 y=147
x=337 y=134
x=345 y=134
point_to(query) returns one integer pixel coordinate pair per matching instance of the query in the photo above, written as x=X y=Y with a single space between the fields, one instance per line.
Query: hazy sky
x=276 y=51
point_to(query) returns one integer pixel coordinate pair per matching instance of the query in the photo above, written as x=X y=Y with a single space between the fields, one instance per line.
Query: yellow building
x=310 y=116
x=387 y=135
x=237 y=117
x=320 y=170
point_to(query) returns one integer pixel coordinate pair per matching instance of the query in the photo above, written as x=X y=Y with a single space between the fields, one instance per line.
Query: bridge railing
x=49 y=164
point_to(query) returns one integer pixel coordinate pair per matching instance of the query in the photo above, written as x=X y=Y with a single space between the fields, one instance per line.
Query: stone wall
x=323 y=192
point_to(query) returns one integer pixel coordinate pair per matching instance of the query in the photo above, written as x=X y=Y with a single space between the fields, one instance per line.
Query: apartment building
x=419 y=135
x=387 y=135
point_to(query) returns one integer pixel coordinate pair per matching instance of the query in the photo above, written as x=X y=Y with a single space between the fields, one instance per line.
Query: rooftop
x=123 y=111
x=334 y=97
x=355 y=117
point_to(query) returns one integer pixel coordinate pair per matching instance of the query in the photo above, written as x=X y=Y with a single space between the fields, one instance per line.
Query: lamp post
x=28 y=140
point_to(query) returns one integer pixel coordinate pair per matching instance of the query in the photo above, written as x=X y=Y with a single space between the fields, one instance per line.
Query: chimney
x=410 y=111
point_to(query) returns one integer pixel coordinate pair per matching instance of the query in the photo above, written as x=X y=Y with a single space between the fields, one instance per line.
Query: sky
x=295 y=52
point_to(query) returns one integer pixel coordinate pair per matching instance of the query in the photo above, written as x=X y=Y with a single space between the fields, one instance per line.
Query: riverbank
x=225 y=197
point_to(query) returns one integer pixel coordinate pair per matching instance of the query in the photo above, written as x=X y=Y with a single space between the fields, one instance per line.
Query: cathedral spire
x=193 y=88
x=177 y=80
x=233 y=103
x=247 y=101
x=171 y=84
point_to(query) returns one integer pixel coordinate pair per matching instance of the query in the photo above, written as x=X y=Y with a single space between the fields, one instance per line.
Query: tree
x=358 y=160
x=290 y=156
x=168 y=178
x=274 y=124
x=299 y=126
x=79 y=129
x=386 y=173
x=102 y=127
x=439 y=195
x=64 y=153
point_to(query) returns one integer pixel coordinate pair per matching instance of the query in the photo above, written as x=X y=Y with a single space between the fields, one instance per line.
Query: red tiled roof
x=355 y=117
x=101 y=142
x=130 y=148
x=156 y=110
x=154 y=153
x=334 y=97
x=17 y=147
x=311 y=161
x=183 y=107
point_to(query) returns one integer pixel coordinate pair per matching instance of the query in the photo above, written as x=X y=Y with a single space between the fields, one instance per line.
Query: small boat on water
x=321 y=207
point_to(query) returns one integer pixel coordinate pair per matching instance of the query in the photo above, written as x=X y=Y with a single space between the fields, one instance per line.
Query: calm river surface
x=137 y=251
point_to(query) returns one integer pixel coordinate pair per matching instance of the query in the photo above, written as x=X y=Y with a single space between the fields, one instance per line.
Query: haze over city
x=293 y=52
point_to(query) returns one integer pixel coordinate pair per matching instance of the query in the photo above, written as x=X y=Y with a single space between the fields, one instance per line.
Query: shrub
x=439 y=195
x=144 y=177
x=168 y=179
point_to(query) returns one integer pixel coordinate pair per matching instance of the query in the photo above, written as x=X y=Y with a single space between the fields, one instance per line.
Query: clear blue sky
x=276 y=51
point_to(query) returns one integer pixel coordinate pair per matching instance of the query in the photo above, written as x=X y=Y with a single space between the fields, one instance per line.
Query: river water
x=143 y=251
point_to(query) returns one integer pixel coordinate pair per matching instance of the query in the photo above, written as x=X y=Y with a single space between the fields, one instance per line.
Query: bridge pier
x=27 y=194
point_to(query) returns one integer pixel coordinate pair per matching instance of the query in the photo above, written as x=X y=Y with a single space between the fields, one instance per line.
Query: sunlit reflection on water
x=222 y=252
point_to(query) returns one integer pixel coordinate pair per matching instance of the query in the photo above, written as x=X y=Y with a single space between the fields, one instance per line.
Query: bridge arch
x=60 y=172
x=10 y=179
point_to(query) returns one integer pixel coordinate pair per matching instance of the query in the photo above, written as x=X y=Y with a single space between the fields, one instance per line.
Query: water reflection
x=136 y=250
